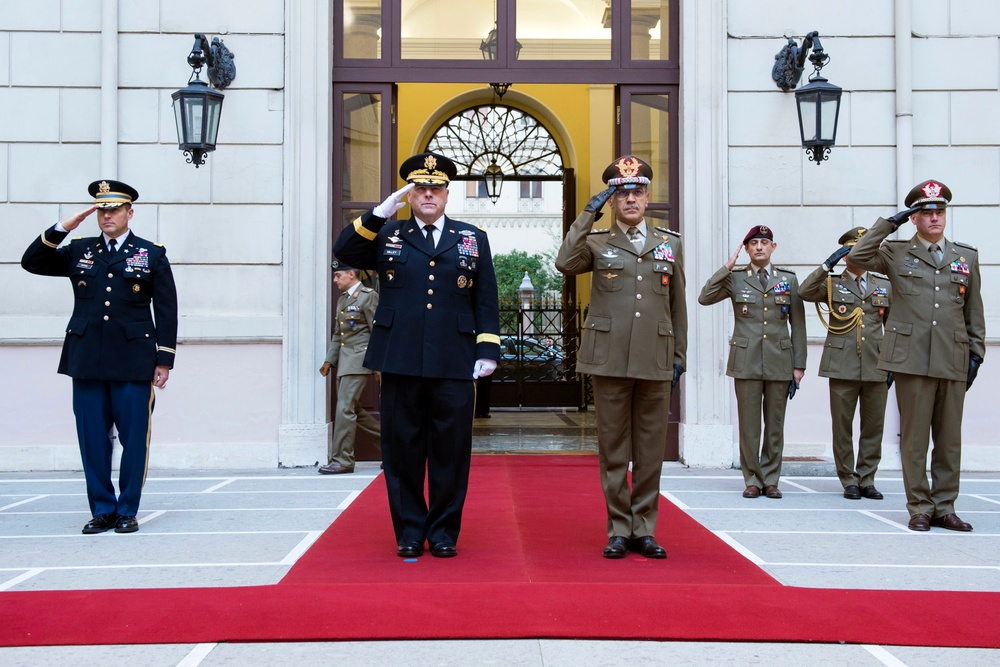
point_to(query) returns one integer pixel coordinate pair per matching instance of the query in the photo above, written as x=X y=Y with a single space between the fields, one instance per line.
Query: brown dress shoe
x=752 y=492
x=951 y=522
x=919 y=522
x=334 y=469
x=871 y=493
x=771 y=491
x=852 y=492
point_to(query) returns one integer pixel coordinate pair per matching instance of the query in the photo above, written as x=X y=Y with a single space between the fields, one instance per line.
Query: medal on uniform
x=136 y=288
x=842 y=309
x=462 y=282
x=746 y=310
x=665 y=279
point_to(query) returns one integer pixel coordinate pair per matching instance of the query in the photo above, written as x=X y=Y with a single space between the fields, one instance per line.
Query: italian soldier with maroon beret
x=767 y=353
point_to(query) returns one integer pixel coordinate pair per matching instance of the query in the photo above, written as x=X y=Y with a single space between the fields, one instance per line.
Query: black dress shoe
x=617 y=547
x=951 y=522
x=871 y=493
x=647 y=546
x=443 y=550
x=100 y=524
x=852 y=492
x=919 y=522
x=126 y=524
x=409 y=550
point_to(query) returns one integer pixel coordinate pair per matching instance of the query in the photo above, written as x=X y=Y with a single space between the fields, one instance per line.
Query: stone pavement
x=248 y=527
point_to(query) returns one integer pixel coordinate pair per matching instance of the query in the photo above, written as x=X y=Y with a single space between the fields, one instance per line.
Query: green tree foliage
x=510 y=268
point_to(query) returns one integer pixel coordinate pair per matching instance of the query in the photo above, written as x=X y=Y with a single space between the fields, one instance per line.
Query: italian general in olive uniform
x=634 y=346
x=767 y=353
x=436 y=329
x=120 y=343
x=856 y=303
x=934 y=345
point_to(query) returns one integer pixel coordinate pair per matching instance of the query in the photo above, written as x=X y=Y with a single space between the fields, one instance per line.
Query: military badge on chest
x=663 y=252
x=138 y=262
x=468 y=247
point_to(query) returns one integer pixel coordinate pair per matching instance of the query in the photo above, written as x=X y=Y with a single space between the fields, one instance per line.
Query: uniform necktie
x=861 y=284
x=937 y=253
x=112 y=246
x=762 y=277
x=635 y=238
x=429 y=231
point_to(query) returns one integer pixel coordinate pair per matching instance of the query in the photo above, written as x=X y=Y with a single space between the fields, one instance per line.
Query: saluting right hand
x=598 y=201
x=73 y=221
x=832 y=260
x=731 y=262
x=902 y=217
x=393 y=202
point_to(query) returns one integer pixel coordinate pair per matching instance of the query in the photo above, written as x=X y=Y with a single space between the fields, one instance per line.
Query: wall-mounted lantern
x=818 y=102
x=197 y=107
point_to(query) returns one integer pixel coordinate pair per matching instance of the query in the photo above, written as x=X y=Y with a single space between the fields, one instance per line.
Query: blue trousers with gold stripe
x=99 y=404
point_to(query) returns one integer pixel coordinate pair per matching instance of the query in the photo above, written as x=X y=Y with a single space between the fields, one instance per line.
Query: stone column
x=305 y=424
x=707 y=437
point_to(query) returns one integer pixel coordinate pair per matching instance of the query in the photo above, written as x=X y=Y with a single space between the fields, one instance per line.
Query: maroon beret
x=758 y=232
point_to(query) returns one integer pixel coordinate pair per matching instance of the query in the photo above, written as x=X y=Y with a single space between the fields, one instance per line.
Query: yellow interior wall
x=585 y=134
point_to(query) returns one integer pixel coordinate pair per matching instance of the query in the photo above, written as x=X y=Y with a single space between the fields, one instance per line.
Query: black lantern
x=197 y=107
x=493 y=175
x=818 y=102
x=489 y=46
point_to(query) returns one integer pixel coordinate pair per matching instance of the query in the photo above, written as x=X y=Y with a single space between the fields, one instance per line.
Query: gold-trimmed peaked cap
x=852 y=236
x=627 y=172
x=428 y=169
x=929 y=194
x=112 y=194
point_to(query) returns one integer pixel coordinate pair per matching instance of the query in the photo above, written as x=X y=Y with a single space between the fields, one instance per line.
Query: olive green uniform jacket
x=769 y=336
x=841 y=359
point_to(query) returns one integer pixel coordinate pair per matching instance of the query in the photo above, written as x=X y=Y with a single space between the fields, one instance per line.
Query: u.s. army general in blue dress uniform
x=120 y=343
x=436 y=329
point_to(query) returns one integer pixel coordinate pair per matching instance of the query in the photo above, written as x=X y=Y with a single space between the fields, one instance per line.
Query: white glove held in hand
x=483 y=368
x=393 y=203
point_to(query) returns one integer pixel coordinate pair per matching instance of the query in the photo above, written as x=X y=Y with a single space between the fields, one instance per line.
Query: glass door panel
x=565 y=30
x=446 y=29
x=650 y=23
x=362 y=29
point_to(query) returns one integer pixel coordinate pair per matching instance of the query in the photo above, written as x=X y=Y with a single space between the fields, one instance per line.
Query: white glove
x=483 y=368
x=393 y=203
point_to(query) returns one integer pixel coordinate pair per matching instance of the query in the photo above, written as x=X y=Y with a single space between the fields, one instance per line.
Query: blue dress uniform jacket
x=112 y=334
x=112 y=348
x=438 y=313
x=438 y=310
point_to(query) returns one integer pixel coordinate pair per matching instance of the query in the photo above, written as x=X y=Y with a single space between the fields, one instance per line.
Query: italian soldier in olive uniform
x=767 y=353
x=934 y=345
x=634 y=346
x=120 y=343
x=436 y=330
x=856 y=303
x=355 y=313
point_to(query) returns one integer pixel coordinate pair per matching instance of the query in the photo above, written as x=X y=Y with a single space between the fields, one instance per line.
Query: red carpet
x=529 y=565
